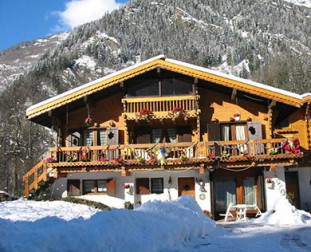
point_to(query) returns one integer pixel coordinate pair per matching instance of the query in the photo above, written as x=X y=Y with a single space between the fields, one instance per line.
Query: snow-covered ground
x=155 y=226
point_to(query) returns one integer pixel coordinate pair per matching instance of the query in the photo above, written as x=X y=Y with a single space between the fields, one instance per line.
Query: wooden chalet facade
x=164 y=128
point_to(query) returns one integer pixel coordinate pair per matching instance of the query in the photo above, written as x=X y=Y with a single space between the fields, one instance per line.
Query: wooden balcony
x=127 y=158
x=161 y=107
x=231 y=154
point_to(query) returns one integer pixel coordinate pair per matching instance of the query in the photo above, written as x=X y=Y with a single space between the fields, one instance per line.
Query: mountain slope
x=18 y=59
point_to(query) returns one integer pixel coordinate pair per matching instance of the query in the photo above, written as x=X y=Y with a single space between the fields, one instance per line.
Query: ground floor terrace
x=214 y=190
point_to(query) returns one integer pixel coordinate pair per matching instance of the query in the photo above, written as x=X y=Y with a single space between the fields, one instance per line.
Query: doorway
x=292 y=188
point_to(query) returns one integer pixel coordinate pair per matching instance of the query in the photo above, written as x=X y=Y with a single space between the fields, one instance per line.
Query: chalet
x=164 y=128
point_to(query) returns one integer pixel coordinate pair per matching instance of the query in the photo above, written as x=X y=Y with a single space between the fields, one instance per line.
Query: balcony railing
x=134 y=154
x=159 y=106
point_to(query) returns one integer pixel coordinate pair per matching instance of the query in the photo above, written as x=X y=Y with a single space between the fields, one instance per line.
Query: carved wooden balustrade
x=160 y=106
x=232 y=154
x=204 y=151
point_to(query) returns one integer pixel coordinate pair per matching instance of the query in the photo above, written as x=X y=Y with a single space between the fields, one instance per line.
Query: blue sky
x=23 y=20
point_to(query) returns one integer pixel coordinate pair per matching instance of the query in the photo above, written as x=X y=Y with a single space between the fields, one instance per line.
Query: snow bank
x=284 y=213
x=154 y=226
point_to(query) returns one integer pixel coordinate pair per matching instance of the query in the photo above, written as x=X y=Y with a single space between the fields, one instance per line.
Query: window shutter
x=113 y=136
x=213 y=131
x=111 y=187
x=260 y=193
x=184 y=134
x=254 y=130
x=255 y=133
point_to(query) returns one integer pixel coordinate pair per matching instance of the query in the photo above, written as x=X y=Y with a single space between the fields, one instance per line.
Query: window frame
x=95 y=186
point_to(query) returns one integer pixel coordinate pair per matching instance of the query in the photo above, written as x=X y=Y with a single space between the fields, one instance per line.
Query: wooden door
x=292 y=188
x=73 y=187
x=186 y=186
x=111 y=187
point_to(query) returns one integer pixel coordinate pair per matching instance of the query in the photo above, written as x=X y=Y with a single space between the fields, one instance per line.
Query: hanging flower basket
x=88 y=121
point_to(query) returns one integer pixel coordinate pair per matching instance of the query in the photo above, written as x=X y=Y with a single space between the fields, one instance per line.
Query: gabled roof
x=226 y=80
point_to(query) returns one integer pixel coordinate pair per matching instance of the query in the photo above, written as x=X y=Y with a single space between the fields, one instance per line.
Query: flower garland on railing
x=145 y=114
x=178 y=111
x=292 y=146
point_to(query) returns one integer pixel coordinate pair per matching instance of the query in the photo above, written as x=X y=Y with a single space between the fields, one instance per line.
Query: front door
x=73 y=187
x=186 y=186
x=292 y=188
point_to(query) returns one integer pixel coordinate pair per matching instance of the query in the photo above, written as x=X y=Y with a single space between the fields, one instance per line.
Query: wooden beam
x=234 y=94
x=272 y=104
x=125 y=172
x=202 y=170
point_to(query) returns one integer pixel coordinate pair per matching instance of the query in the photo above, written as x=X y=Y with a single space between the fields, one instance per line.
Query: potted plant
x=50 y=160
x=270 y=183
x=237 y=116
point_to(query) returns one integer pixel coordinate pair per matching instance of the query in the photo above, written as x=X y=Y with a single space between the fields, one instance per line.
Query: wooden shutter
x=213 y=131
x=260 y=193
x=111 y=187
x=113 y=136
x=73 y=187
x=183 y=134
x=254 y=130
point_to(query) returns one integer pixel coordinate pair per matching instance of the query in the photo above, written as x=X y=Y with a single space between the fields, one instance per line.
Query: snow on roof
x=202 y=69
x=305 y=95
x=54 y=98
x=232 y=77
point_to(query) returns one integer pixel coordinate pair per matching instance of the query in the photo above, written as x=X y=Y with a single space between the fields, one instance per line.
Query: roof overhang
x=160 y=61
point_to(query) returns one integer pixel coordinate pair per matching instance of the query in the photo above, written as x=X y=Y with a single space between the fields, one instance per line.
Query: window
x=229 y=132
x=168 y=86
x=143 y=185
x=225 y=193
x=157 y=185
x=97 y=186
x=176 y=86
x=102 y=186
x=249 y=190
x=74 y=139
x=160 y=135
x=102 y=137
x=89 y=186
x=88 y=138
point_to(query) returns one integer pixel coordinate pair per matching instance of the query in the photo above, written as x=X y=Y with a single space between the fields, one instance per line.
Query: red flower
x=269 y=180
x=145 y=112
x=88 y=120
x=236 y=114
x=178 y=109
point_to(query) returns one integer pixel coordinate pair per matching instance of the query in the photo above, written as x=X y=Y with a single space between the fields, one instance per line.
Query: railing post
x=26 y=186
